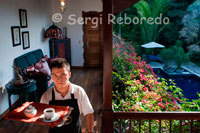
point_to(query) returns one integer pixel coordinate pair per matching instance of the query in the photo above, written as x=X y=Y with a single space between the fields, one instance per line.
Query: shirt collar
x=71 y=90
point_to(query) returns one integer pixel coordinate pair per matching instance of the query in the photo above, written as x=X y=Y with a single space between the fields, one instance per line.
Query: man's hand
x=90 y=122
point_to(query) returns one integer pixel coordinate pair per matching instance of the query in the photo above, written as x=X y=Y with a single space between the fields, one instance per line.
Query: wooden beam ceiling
x=121 y=5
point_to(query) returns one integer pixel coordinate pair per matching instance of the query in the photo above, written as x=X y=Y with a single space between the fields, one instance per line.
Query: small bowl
x=30 y=111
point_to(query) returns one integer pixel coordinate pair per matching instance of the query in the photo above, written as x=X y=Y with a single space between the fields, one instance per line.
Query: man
x=67 y=94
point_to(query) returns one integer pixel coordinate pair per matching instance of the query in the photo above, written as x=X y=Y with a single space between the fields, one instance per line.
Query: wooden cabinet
x=60 y=48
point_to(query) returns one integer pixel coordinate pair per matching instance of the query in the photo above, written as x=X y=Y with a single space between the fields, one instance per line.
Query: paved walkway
x=155 y=64
x=193 y=67
x=190 y=66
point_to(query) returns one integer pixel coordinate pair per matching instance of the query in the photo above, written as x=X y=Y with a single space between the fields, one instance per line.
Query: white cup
x=49 y=113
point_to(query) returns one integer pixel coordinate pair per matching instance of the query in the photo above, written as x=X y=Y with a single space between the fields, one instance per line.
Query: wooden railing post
x=107 y=117
x=169 y=116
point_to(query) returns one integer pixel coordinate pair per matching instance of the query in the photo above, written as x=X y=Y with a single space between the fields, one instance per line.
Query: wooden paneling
x=92 y=37
x=60 y=48
x=92 y=26
x=107 y=116
x=109 y=7
x=93 y=55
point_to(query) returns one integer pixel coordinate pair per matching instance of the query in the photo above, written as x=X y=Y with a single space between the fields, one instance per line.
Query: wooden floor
x=92 y=81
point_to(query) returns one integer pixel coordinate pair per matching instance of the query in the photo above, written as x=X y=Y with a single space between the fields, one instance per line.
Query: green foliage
x=142 y=33
x=177 y=9
x=195 y=57
x=194 y=6
x=180 y=56
x=167 y=55
x=191 y=24
x=179 y=43
x=176 y=54
x=150 y=32
x=129 y=31
x=136 y=88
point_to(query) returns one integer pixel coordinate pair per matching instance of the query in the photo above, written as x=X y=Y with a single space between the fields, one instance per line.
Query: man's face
x=60 y=77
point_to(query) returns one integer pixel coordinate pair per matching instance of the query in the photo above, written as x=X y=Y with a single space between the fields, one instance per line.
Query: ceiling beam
x=121 y=5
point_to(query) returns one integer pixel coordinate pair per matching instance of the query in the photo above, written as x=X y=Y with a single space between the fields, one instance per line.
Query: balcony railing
x=170 y=122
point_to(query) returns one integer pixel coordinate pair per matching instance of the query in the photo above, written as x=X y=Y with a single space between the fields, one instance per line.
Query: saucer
x=55 y=118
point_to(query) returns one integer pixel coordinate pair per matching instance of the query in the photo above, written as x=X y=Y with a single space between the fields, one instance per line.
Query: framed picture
x=23 y=18
x=25 y=39
x=16 y=39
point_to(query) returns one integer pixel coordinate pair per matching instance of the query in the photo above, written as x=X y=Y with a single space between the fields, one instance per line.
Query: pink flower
x=118 y=46
x=117 y=51
x=161 y=100
x=146 y=89
x=160 y=104
x=141 y=70
x=138 y=82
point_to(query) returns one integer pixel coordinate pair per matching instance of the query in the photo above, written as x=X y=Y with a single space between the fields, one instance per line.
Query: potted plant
x=180 y=57
x=167 y=56
x=19 y=79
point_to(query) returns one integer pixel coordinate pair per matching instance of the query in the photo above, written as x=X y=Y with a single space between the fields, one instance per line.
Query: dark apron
x=75 y=125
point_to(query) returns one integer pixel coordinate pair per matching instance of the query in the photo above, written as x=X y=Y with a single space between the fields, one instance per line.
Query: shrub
x=136 y=88
x=191 y=24
x=135 y=85
x=180 y=56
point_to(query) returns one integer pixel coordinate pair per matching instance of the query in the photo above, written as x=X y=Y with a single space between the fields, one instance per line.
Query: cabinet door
x=61 y=48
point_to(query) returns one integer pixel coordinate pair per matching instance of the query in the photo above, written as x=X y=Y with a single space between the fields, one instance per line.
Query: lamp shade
x=53 y=32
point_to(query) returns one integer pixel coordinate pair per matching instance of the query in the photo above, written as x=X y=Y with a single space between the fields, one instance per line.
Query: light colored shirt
x=84 y=104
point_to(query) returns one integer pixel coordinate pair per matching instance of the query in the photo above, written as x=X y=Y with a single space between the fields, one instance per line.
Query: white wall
x=39 y=18
x=39 y=13
x=75 y=32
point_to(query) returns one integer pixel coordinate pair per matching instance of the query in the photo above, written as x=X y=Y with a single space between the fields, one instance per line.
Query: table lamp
x=54 y=33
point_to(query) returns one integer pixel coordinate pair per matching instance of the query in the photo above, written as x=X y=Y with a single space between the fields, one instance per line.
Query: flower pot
x=180 y=70
x=169 y=69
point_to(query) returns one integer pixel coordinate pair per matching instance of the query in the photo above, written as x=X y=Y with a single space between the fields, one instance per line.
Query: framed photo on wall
x=23 y=18
x=16 y=39
x=25 y=39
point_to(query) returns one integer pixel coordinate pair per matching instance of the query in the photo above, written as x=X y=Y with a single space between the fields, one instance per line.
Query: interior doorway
x=93 y=39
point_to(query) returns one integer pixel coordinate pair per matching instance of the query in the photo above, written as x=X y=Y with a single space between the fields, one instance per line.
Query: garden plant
x=175 y=54
x=137 y=88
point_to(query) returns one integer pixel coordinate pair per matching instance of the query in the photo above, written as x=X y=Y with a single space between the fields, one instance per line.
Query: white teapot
x=30 y=111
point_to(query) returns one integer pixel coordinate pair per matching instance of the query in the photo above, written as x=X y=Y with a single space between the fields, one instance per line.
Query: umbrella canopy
x=152 y=45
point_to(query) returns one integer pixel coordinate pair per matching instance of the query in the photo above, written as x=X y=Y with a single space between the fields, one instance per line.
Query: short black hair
x=60 y=63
